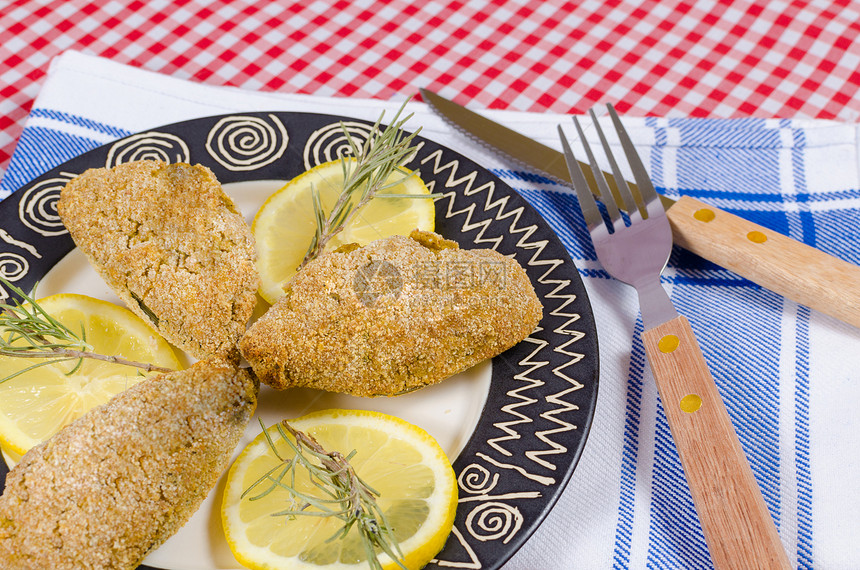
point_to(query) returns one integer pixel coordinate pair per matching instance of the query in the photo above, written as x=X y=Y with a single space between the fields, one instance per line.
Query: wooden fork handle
x=786 y=266
x=737 y=525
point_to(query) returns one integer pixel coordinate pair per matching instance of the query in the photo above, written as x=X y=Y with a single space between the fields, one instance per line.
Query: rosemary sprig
x=45 y=337
x=382 y=154
x=346 y=496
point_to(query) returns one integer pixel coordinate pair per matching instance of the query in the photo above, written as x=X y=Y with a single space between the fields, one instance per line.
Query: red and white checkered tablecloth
x=724 y=58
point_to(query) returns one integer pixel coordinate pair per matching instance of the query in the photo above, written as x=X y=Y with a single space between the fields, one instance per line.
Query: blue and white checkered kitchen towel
x=790 y=376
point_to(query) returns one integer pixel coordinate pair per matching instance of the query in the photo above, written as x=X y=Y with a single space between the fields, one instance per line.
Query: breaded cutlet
x=116 y=483
x=172 y=245
x=391 y=317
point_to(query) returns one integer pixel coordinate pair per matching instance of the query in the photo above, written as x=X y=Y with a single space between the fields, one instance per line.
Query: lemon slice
x=10 y=457
x=37 y=404
x=417 y=487
x=285 y=224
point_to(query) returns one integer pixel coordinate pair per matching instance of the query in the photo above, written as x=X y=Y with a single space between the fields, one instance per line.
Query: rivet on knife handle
x=788 y=267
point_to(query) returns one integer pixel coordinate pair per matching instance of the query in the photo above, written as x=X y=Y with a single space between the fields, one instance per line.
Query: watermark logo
x=375 y=280
x=379 y=278
x=461 y=275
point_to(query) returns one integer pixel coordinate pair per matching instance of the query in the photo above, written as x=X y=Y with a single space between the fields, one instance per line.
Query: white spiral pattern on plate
x=476 y=479
x=38 y=207
x=247 y=142
x=330 y=142
x=494 y=521
x=148 y=146
x=13 y=266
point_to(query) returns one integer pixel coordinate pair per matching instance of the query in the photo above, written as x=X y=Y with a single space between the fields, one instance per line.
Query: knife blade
x=786 y=266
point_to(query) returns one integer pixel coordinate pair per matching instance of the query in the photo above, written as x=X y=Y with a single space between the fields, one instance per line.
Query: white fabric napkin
x=790 y=376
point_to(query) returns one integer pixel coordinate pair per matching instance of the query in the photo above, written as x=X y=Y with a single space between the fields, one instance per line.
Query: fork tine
x=620 y=183
x=602 y=185
x=643 y=181
x=592 y=216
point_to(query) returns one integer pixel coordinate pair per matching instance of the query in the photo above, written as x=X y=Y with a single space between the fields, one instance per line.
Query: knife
x=785 y=266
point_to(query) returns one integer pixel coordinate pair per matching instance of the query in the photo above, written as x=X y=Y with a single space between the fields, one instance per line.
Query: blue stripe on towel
x=751 y=134
x=728 y=172
x=801 y=442
x=38 y=151
x=675 y=539
x=630 y=451
x=799 y=218
x=78 y=121
x=709 y=125
x=801 y=400
x=41 y=148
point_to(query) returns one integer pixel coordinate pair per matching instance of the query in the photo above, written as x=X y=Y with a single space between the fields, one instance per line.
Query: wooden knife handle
x=774 y=261
x=737 y=525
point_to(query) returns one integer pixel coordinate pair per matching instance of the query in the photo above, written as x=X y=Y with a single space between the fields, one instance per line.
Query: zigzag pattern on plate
x=504 y=516
x=474 y=218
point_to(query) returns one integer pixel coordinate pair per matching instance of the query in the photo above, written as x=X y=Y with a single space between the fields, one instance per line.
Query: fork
x=738 y=528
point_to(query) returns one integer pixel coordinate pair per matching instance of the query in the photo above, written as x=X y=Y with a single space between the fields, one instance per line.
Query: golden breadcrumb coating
x=172 y=245
x=391 y=317
x=116 y=483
